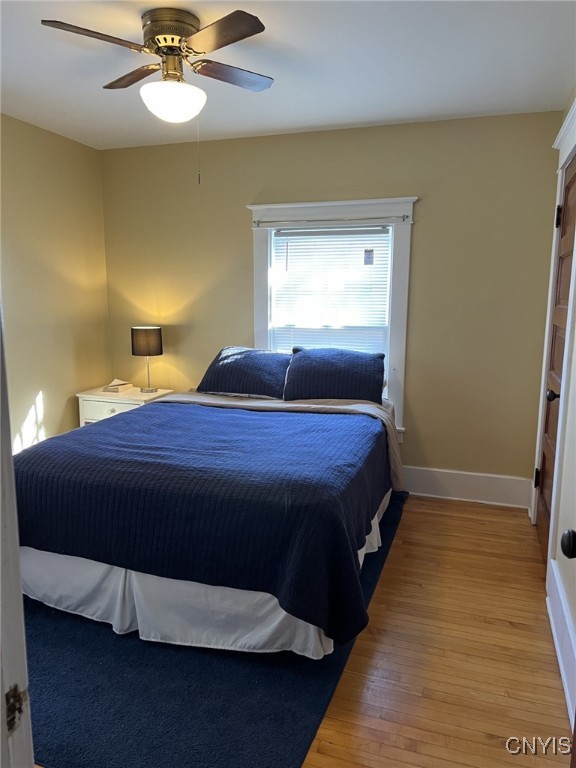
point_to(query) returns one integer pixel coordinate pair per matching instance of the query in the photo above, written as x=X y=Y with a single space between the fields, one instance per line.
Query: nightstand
x=95 y=404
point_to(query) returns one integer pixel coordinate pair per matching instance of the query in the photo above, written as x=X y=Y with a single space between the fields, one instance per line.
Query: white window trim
x=397 y=211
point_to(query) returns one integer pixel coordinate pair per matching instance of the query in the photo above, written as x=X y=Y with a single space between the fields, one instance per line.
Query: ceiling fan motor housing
x=164 y=28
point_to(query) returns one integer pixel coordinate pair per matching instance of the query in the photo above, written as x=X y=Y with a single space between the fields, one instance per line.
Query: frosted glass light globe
x=173 y=101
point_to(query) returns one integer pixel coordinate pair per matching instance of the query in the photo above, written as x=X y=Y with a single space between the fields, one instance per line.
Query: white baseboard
x=564 y=633
x=469 y=486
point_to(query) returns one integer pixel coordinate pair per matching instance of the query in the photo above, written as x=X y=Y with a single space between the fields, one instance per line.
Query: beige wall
x=180 y=254
x=53 y=277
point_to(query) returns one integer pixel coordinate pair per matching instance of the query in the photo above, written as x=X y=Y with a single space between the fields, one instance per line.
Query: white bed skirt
x=173 y=611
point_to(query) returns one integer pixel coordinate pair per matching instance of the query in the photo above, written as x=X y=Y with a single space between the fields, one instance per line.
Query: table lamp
x=147 y=342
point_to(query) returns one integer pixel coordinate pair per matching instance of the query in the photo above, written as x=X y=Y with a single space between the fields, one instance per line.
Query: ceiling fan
x=174 y=35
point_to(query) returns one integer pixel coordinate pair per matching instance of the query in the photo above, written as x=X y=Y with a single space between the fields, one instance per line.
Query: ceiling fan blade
x=252 y=81
x=134 y=76
x=98 y=35
x=229 y=29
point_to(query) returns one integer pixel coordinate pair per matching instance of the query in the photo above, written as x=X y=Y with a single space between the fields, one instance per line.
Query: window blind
x=330 y=287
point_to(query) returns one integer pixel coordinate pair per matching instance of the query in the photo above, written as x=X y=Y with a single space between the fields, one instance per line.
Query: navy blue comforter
x=277 y=502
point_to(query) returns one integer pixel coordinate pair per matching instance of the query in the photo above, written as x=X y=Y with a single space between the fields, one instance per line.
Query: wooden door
x=566 y=222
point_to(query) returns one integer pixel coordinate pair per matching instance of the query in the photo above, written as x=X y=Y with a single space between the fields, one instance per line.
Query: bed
x=216 y=518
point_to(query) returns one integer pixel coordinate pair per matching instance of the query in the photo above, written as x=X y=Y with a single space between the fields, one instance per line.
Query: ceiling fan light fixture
x=172 y=100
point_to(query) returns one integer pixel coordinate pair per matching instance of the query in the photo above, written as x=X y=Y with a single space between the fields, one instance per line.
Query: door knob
x=568 y=543
x=551 y=395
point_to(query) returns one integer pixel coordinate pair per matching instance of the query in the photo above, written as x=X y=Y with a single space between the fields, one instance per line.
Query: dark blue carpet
x=100 y=700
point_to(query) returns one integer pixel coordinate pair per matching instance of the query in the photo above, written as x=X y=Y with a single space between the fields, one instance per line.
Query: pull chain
x=198 y=147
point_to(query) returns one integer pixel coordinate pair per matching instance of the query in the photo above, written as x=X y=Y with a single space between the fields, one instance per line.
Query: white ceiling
x=335 y=64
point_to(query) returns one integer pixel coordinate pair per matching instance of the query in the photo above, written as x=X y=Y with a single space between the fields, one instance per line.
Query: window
x=335 y=274
x=329 y=288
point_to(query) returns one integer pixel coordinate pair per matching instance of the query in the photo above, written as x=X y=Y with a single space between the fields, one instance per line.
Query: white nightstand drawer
x=94 y=410
x=96 y=404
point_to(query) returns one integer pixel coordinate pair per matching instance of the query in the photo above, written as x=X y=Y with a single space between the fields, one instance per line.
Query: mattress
x=175 y=611
x=271 y=501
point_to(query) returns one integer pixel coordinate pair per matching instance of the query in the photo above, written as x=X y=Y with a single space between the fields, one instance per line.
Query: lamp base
x=148 y=390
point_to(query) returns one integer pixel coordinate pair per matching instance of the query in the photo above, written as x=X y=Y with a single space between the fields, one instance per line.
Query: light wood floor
x=458 y=655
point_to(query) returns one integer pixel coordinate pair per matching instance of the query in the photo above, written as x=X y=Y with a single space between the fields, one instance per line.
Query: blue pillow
x=246 y=371
x=331 y=373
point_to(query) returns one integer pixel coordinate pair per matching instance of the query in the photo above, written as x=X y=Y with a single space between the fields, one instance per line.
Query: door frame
x=561 y=620
x=16 y=750
x=566 y=145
